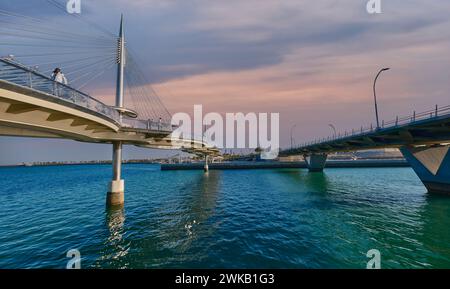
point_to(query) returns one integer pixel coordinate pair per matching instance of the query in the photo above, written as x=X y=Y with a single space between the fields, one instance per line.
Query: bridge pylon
x=115 y=195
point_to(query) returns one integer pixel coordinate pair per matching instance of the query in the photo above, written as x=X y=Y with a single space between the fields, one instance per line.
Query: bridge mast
x=115 y=196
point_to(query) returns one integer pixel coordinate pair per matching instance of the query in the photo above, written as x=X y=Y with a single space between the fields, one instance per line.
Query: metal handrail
x=147 y=125
x=22 y=75
x=398 y=122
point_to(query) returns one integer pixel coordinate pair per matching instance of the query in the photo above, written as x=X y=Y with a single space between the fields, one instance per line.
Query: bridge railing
x=399 y=121
x=147 y=124
x=19 y=74
x=24 y=76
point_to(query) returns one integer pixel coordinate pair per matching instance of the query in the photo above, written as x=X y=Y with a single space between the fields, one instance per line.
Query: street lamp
x=375 y=94
x=292 y=139
x=334 y=130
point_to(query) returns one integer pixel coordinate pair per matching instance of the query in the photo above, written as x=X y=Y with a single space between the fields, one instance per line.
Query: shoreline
x=288 y=165
x=235 y=164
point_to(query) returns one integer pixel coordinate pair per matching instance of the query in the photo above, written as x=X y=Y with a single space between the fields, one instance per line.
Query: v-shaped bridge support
x=432 y=166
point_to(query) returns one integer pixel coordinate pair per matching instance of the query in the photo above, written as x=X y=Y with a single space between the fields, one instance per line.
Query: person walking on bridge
x=58 y=77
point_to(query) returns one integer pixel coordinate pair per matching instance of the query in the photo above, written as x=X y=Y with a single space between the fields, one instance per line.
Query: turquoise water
x=225 y=219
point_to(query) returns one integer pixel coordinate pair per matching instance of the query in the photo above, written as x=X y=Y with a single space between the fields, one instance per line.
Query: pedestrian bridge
x=423 y=138
x=33 y=105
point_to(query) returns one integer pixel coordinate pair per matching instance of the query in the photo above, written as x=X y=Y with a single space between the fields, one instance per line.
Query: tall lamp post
x=292 y=139
x=334 y=130
x=375 y=94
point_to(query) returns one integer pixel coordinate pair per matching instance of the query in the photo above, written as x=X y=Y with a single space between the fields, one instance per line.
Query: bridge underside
x=425 y=134
x=432 y=166
x=424 y=144
x=28 y=113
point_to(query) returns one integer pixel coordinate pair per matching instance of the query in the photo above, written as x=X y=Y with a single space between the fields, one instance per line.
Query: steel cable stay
x=76 y=64
x=15 y=34
x=55 y=46
x=87 y=67
x=148 y=107
x=150 y=101
x=104 y=64
x=143 y=84
x=140 y=90
x=131 y=54
x=79 y=67
x=80 y=18
x=96 y=76
x=67 y=49
x=45 y=24
x=45 y=30
x=128 y=92
x=40 y=38
x=51 y=54
x=151 y=92
x=67 y=61
x=157 y=94
x=70 y=35
x=143 y=108
x=144 y=97
x=138 y=93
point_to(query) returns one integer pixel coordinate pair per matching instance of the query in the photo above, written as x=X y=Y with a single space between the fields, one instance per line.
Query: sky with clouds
x=311 y=61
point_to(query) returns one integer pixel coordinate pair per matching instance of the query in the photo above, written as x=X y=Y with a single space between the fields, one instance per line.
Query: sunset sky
x=312 y=61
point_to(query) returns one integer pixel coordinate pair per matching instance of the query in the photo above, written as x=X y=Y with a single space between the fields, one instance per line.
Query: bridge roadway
x=423 y=139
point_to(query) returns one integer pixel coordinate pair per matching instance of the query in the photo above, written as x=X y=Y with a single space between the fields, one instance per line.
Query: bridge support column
x=115 y=195
x=315 y=162
x=206 y=167
x=432 y=166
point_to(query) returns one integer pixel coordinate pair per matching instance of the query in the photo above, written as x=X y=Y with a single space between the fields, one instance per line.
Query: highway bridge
x=423 y=138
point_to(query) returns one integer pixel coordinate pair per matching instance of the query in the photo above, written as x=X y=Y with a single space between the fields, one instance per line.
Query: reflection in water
x=199 y=202
x=312 y=181
x=170 y=229
x=114 y=243
x=317 y=182
x=435 y=231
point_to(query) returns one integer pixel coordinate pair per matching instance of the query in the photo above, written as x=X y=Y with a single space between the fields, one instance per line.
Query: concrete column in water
x=115 y=196
x=432 y=166
x=315 y=162
x=206 y=167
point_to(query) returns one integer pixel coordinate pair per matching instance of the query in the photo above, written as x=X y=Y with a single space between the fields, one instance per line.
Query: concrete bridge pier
x=316 y=162
x=115 y=195
x=206 y=167
x=432 y=166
